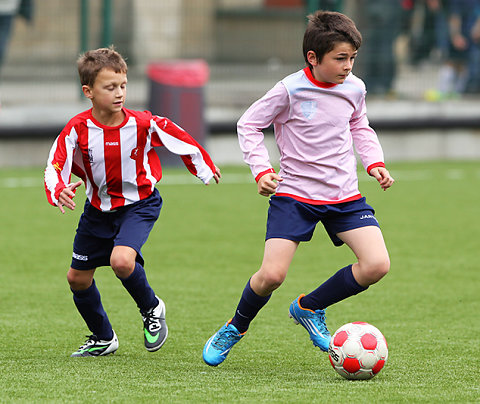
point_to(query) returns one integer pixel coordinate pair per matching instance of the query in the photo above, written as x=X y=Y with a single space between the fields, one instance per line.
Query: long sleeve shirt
x=317 y=126
x=119 y=165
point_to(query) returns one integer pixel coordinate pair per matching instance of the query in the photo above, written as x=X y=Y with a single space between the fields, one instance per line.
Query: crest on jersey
x=308 y=108
x=134 y=154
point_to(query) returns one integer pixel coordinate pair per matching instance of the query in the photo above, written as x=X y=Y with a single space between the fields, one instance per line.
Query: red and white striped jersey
x=119 y=165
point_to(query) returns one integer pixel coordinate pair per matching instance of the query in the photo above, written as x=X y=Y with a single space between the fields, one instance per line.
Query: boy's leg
x=373 y=263
x=88 y=302
x=277 y=258
x=133 y=277
x=152 y=308
x=368 y=245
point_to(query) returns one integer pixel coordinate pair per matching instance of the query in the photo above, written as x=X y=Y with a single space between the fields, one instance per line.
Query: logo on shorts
x=80 y=257
x=368 y=217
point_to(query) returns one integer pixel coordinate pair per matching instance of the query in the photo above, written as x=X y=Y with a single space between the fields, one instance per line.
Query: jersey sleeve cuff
x=379 y=164
x=260 y=175
x=58 y=189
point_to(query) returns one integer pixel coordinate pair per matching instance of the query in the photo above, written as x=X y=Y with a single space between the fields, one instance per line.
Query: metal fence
x=248 y=44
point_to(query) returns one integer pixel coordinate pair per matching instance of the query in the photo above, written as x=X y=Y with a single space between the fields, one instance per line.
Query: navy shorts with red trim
x=98 y=232
x=296 y=221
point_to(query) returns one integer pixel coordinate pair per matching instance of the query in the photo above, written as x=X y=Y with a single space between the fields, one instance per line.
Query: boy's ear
x=312 y=58
x=87 y=91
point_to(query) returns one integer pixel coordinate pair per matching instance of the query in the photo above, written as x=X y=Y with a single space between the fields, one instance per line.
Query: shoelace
x=222 y=339
x=152 y=323
x=91 y=339
x=319 y=319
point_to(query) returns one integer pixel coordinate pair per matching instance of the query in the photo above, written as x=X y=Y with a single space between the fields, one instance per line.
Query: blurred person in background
x=380 y=22
x=8 y=11
x=461 y=71
x=428 y=30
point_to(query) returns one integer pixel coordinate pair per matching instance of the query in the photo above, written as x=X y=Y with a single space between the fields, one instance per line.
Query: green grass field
x=206 y=244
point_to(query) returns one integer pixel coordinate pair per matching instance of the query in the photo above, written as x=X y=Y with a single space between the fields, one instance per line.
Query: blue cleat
x=218 y=346
x=313 y=322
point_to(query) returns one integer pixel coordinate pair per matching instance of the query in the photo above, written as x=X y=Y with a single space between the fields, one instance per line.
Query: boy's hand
x=66 y=197
x=268 y=183
x=383 y=177
x=217 y=175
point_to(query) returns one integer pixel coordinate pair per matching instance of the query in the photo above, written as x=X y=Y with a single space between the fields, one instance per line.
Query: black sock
x=249 y=305
x=139 y=288
x=89 y=305
x=338 y=287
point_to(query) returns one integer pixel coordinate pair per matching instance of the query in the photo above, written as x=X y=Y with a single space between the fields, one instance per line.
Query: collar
x=321 y=84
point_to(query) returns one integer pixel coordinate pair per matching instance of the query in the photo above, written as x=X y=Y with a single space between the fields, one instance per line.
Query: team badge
x=134 y=154
x=308 y=108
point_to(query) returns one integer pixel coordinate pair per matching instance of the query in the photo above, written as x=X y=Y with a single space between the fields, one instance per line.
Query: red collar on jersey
x=322 y=84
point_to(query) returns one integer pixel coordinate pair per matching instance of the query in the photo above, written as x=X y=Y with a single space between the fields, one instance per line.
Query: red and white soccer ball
x=358 y=350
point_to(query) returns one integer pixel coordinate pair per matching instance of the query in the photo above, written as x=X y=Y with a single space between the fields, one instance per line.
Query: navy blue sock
x=249 y=305
x=338 y=287
x=89 y=304
x=139 y=288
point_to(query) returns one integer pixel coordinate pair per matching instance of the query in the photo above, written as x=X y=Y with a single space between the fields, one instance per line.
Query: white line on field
x=22 y=182
x=188 y=179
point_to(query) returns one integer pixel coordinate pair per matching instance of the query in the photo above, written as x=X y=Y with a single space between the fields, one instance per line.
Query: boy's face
x=108 y=92
x=335 y=65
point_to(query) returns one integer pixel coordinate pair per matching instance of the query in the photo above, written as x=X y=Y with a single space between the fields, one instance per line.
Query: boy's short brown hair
x=325 y=29
x=91 y=62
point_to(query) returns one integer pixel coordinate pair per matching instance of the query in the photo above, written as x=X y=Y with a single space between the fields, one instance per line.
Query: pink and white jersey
x=119 y=165
x=317 y=125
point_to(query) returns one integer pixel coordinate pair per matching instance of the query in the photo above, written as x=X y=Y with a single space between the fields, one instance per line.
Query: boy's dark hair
x=325 y=29
x=91 y=62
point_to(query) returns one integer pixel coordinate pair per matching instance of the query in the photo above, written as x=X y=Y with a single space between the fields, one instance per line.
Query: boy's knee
x=376 y=270
x=382 y=269
x=272 y=280
x=122 y=265
x=79 y=280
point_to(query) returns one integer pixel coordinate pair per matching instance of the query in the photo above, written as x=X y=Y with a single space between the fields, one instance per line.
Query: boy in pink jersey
x=319 y=116
x=111 y=149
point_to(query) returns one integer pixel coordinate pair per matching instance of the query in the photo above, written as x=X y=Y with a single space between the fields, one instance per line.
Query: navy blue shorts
x=98 y=232
x=296 y=221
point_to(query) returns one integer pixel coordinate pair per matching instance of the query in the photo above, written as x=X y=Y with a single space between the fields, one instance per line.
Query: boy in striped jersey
x=111 y=148
x=319 y=116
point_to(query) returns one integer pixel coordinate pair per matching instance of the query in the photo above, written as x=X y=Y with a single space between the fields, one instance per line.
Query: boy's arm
x=177 y=141
x=59 y=165
x=369 y=149
x=272 y=107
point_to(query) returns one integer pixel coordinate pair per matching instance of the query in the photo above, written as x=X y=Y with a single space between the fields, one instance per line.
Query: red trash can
x=177 y=93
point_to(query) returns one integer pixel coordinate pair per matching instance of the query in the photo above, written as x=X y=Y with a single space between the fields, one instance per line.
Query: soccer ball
x=358 y=350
